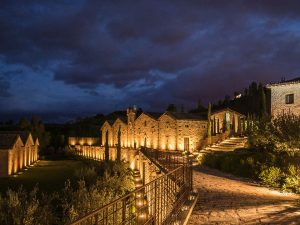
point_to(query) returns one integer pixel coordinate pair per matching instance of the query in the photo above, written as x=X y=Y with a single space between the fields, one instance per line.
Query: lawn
x=49 y=175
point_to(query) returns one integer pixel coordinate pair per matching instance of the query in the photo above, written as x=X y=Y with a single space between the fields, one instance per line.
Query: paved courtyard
x=225 y=199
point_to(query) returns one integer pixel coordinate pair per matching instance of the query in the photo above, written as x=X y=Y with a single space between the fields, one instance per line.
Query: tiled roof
x=285 y=82
x=154 y=115
x=189 y=116
x=123 y=119
x=7 y=140
x=110 y=122
x=225 y=109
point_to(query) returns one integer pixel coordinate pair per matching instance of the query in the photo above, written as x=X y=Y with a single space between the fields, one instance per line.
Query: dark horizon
x=65 y=59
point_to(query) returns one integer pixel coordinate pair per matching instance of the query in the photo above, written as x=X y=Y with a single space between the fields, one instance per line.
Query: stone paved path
x=224 y=199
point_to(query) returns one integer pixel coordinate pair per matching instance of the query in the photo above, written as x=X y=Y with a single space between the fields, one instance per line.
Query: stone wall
x=135 y=159
x=84 y=141
x=220 y=118
x=107 y=128
x=115 y=129
x=195 y=131
x=278 y=101
x=167 y=133
x=97 y=153
x=146 y=130
x=17 y=158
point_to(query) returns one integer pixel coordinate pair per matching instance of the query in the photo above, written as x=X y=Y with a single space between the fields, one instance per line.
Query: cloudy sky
x=66 y=58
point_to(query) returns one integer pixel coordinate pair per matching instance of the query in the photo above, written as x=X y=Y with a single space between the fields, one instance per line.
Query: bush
x=292 y=179
x=74 y=201
x=271 y=176
x=280 y=134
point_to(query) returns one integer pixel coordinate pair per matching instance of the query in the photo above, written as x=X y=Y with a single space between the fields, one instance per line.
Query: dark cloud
x=4 y=88
x=151 y=53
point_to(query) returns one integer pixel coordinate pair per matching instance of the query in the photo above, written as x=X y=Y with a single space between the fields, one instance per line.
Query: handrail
x=157 y=202
x=124 y=197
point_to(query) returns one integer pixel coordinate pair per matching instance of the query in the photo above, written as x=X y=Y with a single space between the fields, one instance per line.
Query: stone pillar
x=25 y=156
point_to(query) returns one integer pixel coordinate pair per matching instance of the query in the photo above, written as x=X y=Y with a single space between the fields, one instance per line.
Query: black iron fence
x=159 y=202
x=166 y=160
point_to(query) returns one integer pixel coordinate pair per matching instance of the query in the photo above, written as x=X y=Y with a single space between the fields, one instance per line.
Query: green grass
x=49 y=175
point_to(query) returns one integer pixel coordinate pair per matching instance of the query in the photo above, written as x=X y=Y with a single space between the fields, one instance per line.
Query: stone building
x=169 y=130
x=17 y=150
x=284 y=97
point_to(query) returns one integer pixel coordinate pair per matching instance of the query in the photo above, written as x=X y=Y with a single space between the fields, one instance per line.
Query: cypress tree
x=119 y=146
x=106 y=148
x=209 y=123
x=214 y=129
x=233 y=124
x=248 y=122
x=263 y=107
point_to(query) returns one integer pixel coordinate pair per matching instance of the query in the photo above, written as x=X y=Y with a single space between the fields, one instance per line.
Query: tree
x=214 y=127
x=182 y=108
x=119 y=146
x=226 y=100
x=24 y=124
x=200 y=107
x=172 y=108
x=106 y=147
x=209 y=123
x=263 y=107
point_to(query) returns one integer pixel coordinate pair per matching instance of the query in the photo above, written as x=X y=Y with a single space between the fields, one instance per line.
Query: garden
x=272 y=157
x=61 y=191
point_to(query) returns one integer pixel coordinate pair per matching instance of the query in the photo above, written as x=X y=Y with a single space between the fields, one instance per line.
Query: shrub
x=292 y=179
x=271 y=176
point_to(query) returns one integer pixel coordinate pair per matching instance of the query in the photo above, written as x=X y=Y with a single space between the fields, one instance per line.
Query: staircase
x=227 y=145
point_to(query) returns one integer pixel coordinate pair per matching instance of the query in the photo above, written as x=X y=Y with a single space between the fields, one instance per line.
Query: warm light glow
x=140 y=203
x=132 y=165
x=138 y=195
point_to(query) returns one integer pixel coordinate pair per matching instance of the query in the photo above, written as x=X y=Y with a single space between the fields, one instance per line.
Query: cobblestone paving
x=224 y=199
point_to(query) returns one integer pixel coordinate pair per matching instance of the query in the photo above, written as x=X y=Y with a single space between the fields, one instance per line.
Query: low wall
x=98 y=153
x=84 y=141
x=135 y=158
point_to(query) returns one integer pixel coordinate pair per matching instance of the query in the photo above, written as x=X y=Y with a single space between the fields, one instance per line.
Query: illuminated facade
x=17 y=151
x=168 y=131
x=284 y=97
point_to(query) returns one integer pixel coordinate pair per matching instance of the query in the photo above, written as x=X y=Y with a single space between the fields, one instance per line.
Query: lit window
x=289 y=99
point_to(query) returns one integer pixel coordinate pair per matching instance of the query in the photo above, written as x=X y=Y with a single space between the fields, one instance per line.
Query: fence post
x=155 y=197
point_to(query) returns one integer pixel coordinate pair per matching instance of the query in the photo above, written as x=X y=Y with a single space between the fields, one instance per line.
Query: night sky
x=66 y=58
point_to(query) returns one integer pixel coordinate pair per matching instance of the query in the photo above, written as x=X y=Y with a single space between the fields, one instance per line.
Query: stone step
x=227 y=145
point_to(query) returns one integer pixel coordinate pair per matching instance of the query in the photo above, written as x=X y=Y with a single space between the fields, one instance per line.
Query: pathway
x=225 y=199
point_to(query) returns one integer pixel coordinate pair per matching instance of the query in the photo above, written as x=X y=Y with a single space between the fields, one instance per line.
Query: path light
x=138 y=185
x=176 y=222
x=191 y=197
x=143 y=215
x=139 y=195
x=140 y=203
x=184 y=208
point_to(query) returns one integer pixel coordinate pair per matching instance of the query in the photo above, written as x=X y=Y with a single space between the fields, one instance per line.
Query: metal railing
x=166 y=160
x=158 y=202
